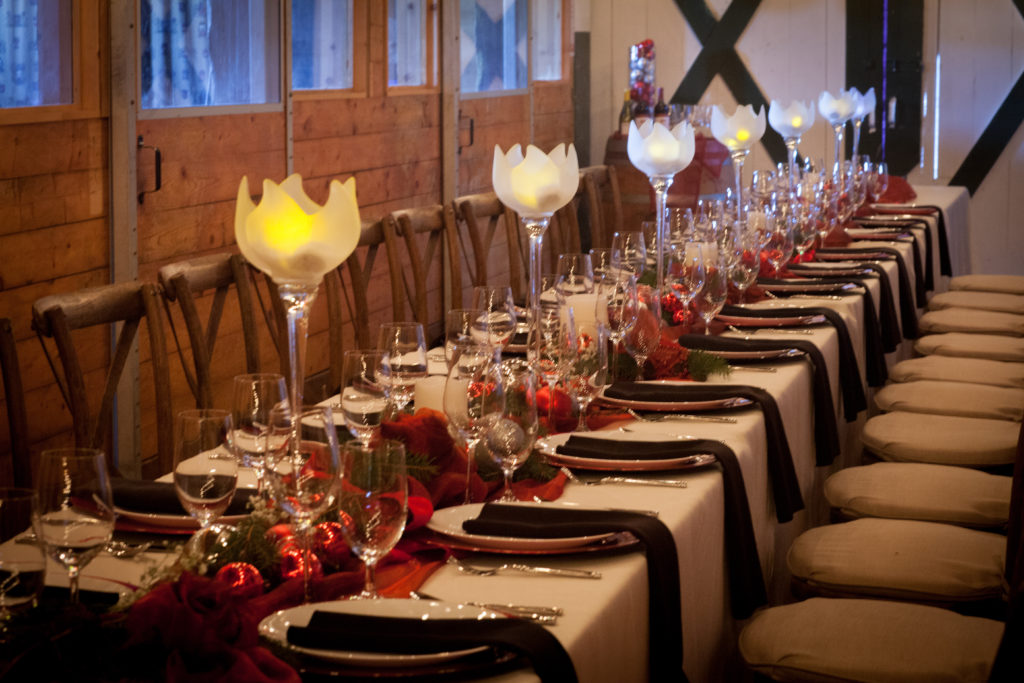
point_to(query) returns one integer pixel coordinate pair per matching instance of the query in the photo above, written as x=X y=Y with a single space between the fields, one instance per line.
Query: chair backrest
x=128 y=303
x=183 y=282
x=488 y=226
x=604 y=203
x=432 y=281
x=19 y=468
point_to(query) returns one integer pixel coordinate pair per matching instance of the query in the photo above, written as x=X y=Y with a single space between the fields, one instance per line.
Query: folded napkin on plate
x=876 y=223
x=826 y=432
x=331 y=630
x=785 y=488
x=945 y=263
x=157 y=497
x=854 y=400
x=908 y=303
x=746 y=582
x=664 y=606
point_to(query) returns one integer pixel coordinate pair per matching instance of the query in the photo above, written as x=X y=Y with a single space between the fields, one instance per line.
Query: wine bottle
x=641 y=112
x=625 y=114
x=662 y=113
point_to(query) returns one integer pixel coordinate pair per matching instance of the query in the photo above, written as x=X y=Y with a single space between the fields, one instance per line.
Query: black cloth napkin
x=849 y=371
x=665 y=619
x=746 y=582
x=945 y=265
x=908 y=305
x=157 y=497
x=785 y=488
x=329 y=630
x=881 y=223
x=826 y=432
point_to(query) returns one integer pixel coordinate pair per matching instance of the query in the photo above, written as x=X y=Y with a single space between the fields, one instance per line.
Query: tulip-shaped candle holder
x=791 y=123
x=660 y=153
x=535 y=187
x=296 y=242
x=837 y=111
x=738 y=133
x=865 y=105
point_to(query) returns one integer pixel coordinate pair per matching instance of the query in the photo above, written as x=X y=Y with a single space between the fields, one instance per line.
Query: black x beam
x=718 y=56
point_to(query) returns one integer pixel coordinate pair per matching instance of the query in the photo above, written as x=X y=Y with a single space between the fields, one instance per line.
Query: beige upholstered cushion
x=983 y=301
x=870 y=640
x=991 y=346
x=952 y=398
x=930 y=493
x=902 y=559
x=972 y=320
x=950 y=369
x=941 y=439
x=1008 y=284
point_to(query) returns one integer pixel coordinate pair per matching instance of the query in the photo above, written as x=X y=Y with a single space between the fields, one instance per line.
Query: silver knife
x=551 y=571
x=677 y=483
x=681 y=417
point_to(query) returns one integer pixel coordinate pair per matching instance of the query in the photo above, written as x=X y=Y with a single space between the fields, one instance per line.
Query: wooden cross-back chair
x=563 y=235
x=184 y=282
x=428 y=234
x=127 y=303
x=481 y=219
x=604 y=203
x=18 y=464
x=347 y=290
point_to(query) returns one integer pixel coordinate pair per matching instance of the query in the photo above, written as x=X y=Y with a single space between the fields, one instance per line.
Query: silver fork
x=674 y=483
x=673 y=417
x=522 y=569
x=755 y=330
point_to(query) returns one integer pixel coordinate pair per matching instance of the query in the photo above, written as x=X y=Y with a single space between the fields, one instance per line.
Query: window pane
x=493 y=44
x=322 y=44
x=547 y=40
x=198 y=53
x=407 y=42
x=35 y=53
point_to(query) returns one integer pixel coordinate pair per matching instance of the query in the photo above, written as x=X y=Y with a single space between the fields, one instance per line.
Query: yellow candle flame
x=797 y=121
x=531 y=187
x=288 y=228
x=743 y=135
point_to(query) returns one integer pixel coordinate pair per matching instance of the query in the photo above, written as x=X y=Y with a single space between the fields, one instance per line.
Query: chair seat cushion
x=990 y=346
x=952 y=398
x=930 y=493
x=901 y=559
x=1007 y=284
x=950 y=369
x=983 y=301
x=971 y=320
x=941 y=439
x=870 y=640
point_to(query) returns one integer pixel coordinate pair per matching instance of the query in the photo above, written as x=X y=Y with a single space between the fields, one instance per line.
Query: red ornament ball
x=329 y=543
x=281 y=534
x=292 y=563
x=242 y=577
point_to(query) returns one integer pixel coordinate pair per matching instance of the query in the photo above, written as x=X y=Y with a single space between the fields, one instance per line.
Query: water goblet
x=404 y=361
x=76 y=511
x=22 y=563
x=618 y=294
x=304 y=476
x=685 y=275
x=643 y=339
x=499 y=313
x=712 y=296
x=511 y=434
x=747 y=265
x=253 y=396
x=372 y=504
x=363 y=395
x=205 y=470
x=780 y=244
x=629 y=251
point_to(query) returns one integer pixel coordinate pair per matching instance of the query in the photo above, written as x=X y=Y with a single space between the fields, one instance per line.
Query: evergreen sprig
x=701 y=364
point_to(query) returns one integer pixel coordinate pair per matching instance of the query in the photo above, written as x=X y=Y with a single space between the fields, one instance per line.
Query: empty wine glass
x=618 y=294
x=511 y=434
x=404 y=361
x=684 y=275
x=363 y=394
x=881 y=181
x=643 y=339
x=629 y=251
x=205 y=469
x=712 y=296
x=581 y=370
x=558 y=341
x=574 y=275
x=463 y=325
x=499 y=311
x=748 y=258
x=780 y=244
x=601 y=260
x=76 y=512
x=22 y=562
x=472 y=392
x=253 y=397
x=373 y=503
x=304 y=476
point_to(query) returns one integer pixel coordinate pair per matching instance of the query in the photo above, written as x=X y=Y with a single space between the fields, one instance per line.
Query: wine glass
x=205 y=469
x=373 y=503
x=363 y=395
x=76 y=512
x=780 y=244
x=253 y=396
x=22 y=562
x=511 y=434
x=643 y=339
x=584 y=364
x=747 y=265
x=557 y=348
x=618 y=294
x=404 y=360
x=881 y=181
x=472 y=392
x=712 y=296
x=304 y=476
x=601 y=260
x=684 y=275
x=629 y=251
x=463 y=325
x=574 y=275
x=499 y=323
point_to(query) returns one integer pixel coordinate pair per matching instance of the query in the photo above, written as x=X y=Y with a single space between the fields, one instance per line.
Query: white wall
x=796 y=48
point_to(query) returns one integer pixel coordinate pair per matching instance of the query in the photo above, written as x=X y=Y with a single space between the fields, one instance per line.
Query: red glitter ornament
x=242 y=577
x=292 y=563
x=329 y=543
x=281 y=534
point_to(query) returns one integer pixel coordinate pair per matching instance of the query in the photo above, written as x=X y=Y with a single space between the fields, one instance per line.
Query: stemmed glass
x=558 y=342
x=780 y=244
x=574 y=275
x=304 y=476
x=747 y=246
x=373 y=504
x=472 y=393
x=618 y=294
x=629 y=251
x=22 y=563
x=205 y=469
x=404 y=360
x=645 y=336
x=76 y=511
x=601 y=260
x=685 y=274
x=712 y=296
x=363 y=395
x=499 y=323
x=253 y=397
x=511 y=434
x=881 y=183
x=463 y=325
